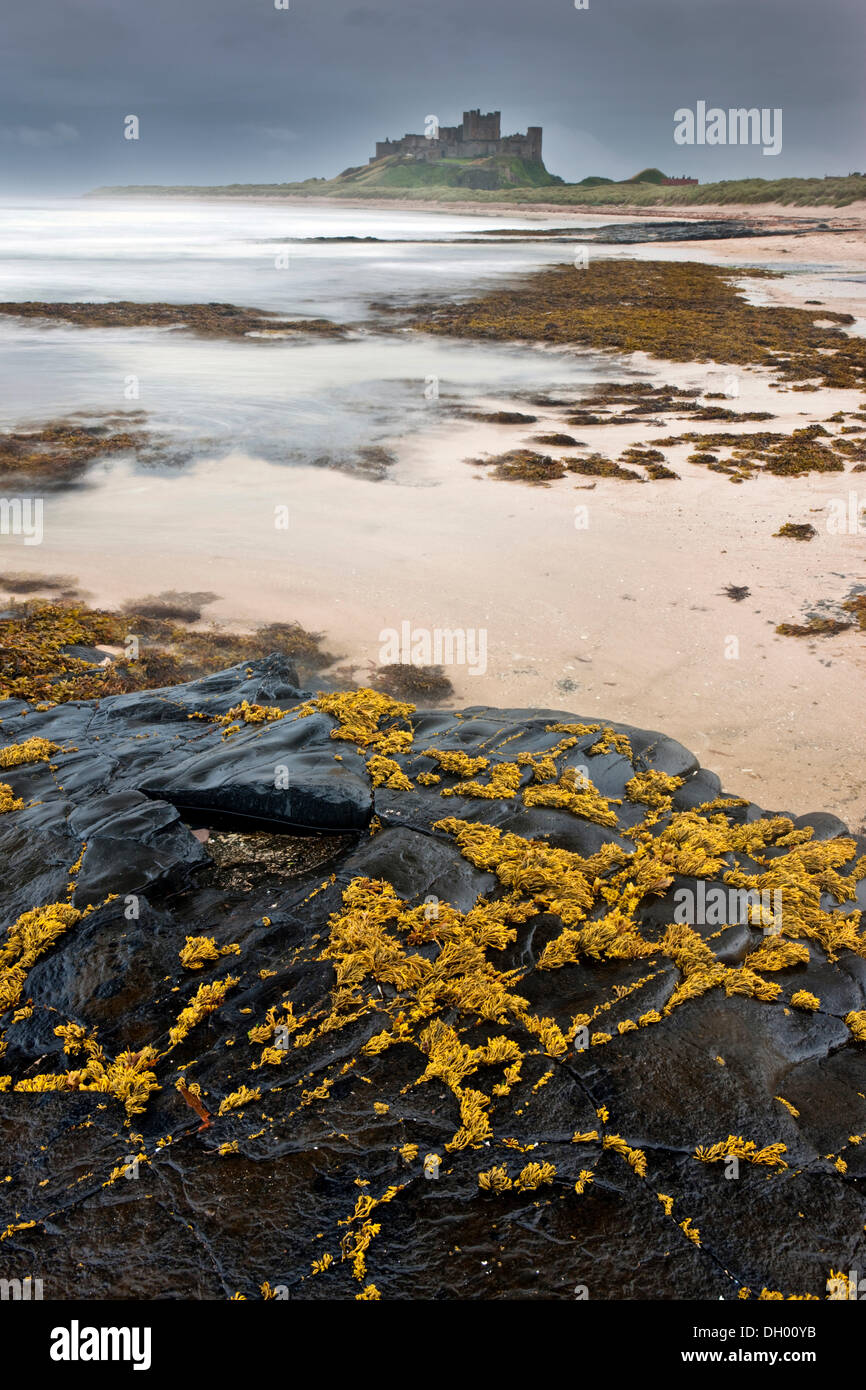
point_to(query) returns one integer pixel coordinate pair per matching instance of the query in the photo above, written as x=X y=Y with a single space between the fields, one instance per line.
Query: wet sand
x=623 y=618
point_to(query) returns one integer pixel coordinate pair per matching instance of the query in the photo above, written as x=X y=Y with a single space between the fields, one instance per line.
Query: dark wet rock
x=826 y=827
x=102 y=973
x=702 y=787
x=663 y=754
x=108 y=825
x=94 y=656
x=321 y=794
x=419 y=866
x=132 y=845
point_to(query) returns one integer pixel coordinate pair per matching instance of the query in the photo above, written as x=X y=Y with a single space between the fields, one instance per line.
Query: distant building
x=675 y=182
x=476 y=138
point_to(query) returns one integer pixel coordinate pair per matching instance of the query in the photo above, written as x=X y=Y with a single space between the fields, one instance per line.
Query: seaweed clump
x=503 y=417
x=406 y=681
x=784 y=455
x=597 y=466
x=797 y=530
x=718 y=412
x=677 y=311
x=60 y=452
x=205 y=320
x=857 y=606
x=653 y=460
x=523 y=466
x=37 y=664
x=829 y=626
x=562 y=441
x=815 y=627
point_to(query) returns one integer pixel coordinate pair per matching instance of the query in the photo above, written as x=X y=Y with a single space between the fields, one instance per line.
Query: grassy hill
x=404 y=172
x=500 y=180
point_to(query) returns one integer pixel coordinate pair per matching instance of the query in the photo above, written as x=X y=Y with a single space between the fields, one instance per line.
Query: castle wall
x=473 y=149
x=418 y=145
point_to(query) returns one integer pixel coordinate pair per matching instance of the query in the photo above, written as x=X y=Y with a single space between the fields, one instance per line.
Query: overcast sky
x=239 y=91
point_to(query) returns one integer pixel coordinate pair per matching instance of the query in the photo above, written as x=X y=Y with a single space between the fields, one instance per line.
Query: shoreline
x=700 y=212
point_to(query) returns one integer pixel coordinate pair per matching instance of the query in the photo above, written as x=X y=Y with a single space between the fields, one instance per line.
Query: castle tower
x=478 y=127
x=533 y=141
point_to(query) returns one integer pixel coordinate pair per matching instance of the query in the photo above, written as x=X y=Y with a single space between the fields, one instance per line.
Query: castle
x=477 y=137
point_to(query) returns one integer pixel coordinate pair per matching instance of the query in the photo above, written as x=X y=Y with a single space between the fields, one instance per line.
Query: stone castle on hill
x=478 y=137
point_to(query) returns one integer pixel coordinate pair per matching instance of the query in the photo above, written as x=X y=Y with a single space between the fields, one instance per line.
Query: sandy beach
x=622 y=615
x=780 y=213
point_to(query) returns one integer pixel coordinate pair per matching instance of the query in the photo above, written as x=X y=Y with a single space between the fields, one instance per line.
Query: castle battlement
x=476 y=138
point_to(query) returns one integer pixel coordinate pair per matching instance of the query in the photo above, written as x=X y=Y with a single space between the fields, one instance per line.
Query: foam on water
x=282 y=400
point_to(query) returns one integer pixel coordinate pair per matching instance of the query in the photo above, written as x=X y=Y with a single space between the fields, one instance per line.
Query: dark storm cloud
x=238 y=90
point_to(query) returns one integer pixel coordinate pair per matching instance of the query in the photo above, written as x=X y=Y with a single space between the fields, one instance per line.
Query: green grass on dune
x=831 y=191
